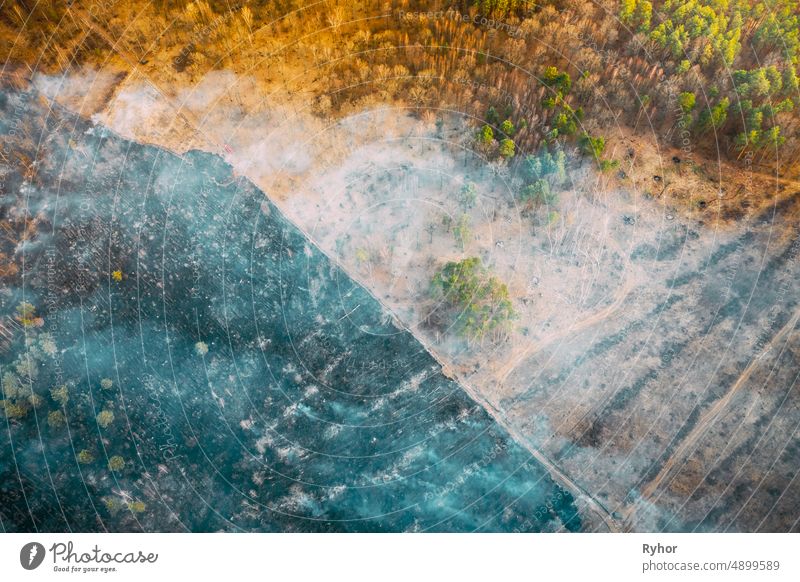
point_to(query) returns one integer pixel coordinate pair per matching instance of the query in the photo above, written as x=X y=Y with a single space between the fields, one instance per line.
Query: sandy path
x=620 y=296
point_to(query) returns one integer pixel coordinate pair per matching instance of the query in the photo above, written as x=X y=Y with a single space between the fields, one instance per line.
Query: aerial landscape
x=400 y=266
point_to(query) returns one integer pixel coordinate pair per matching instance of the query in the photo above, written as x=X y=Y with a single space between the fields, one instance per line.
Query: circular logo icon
x=31 y=555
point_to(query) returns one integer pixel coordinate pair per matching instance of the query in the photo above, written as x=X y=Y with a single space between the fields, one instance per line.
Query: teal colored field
x=179 y=357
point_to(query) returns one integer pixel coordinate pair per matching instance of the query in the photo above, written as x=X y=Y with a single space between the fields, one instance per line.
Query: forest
x=715 y=77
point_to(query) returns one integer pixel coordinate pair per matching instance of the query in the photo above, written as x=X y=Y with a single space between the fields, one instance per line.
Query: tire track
x=619 y=298
x=686 y=447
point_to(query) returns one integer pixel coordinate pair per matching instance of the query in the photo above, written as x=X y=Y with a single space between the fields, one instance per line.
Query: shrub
x=56 y=419
x=137 y=506
x=105 y=418
x=507 y=148
x=85 y=457
x=116 y=463
x=60 y=395
x=482 y=300
x=469 y=195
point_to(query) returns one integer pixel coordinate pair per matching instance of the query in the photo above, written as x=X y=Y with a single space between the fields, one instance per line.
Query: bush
x=13 y=410
x=686 y=100
x=538 y=193
x=592 y=146
x=85 y=457
x=462 y=232
x=507 y=148
x=105 y=418
x=116 y=463
x=481 y=300
x=507 y=127
x=60 y=395
x=469 y=195
x=55 y=419
x=486 y=135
